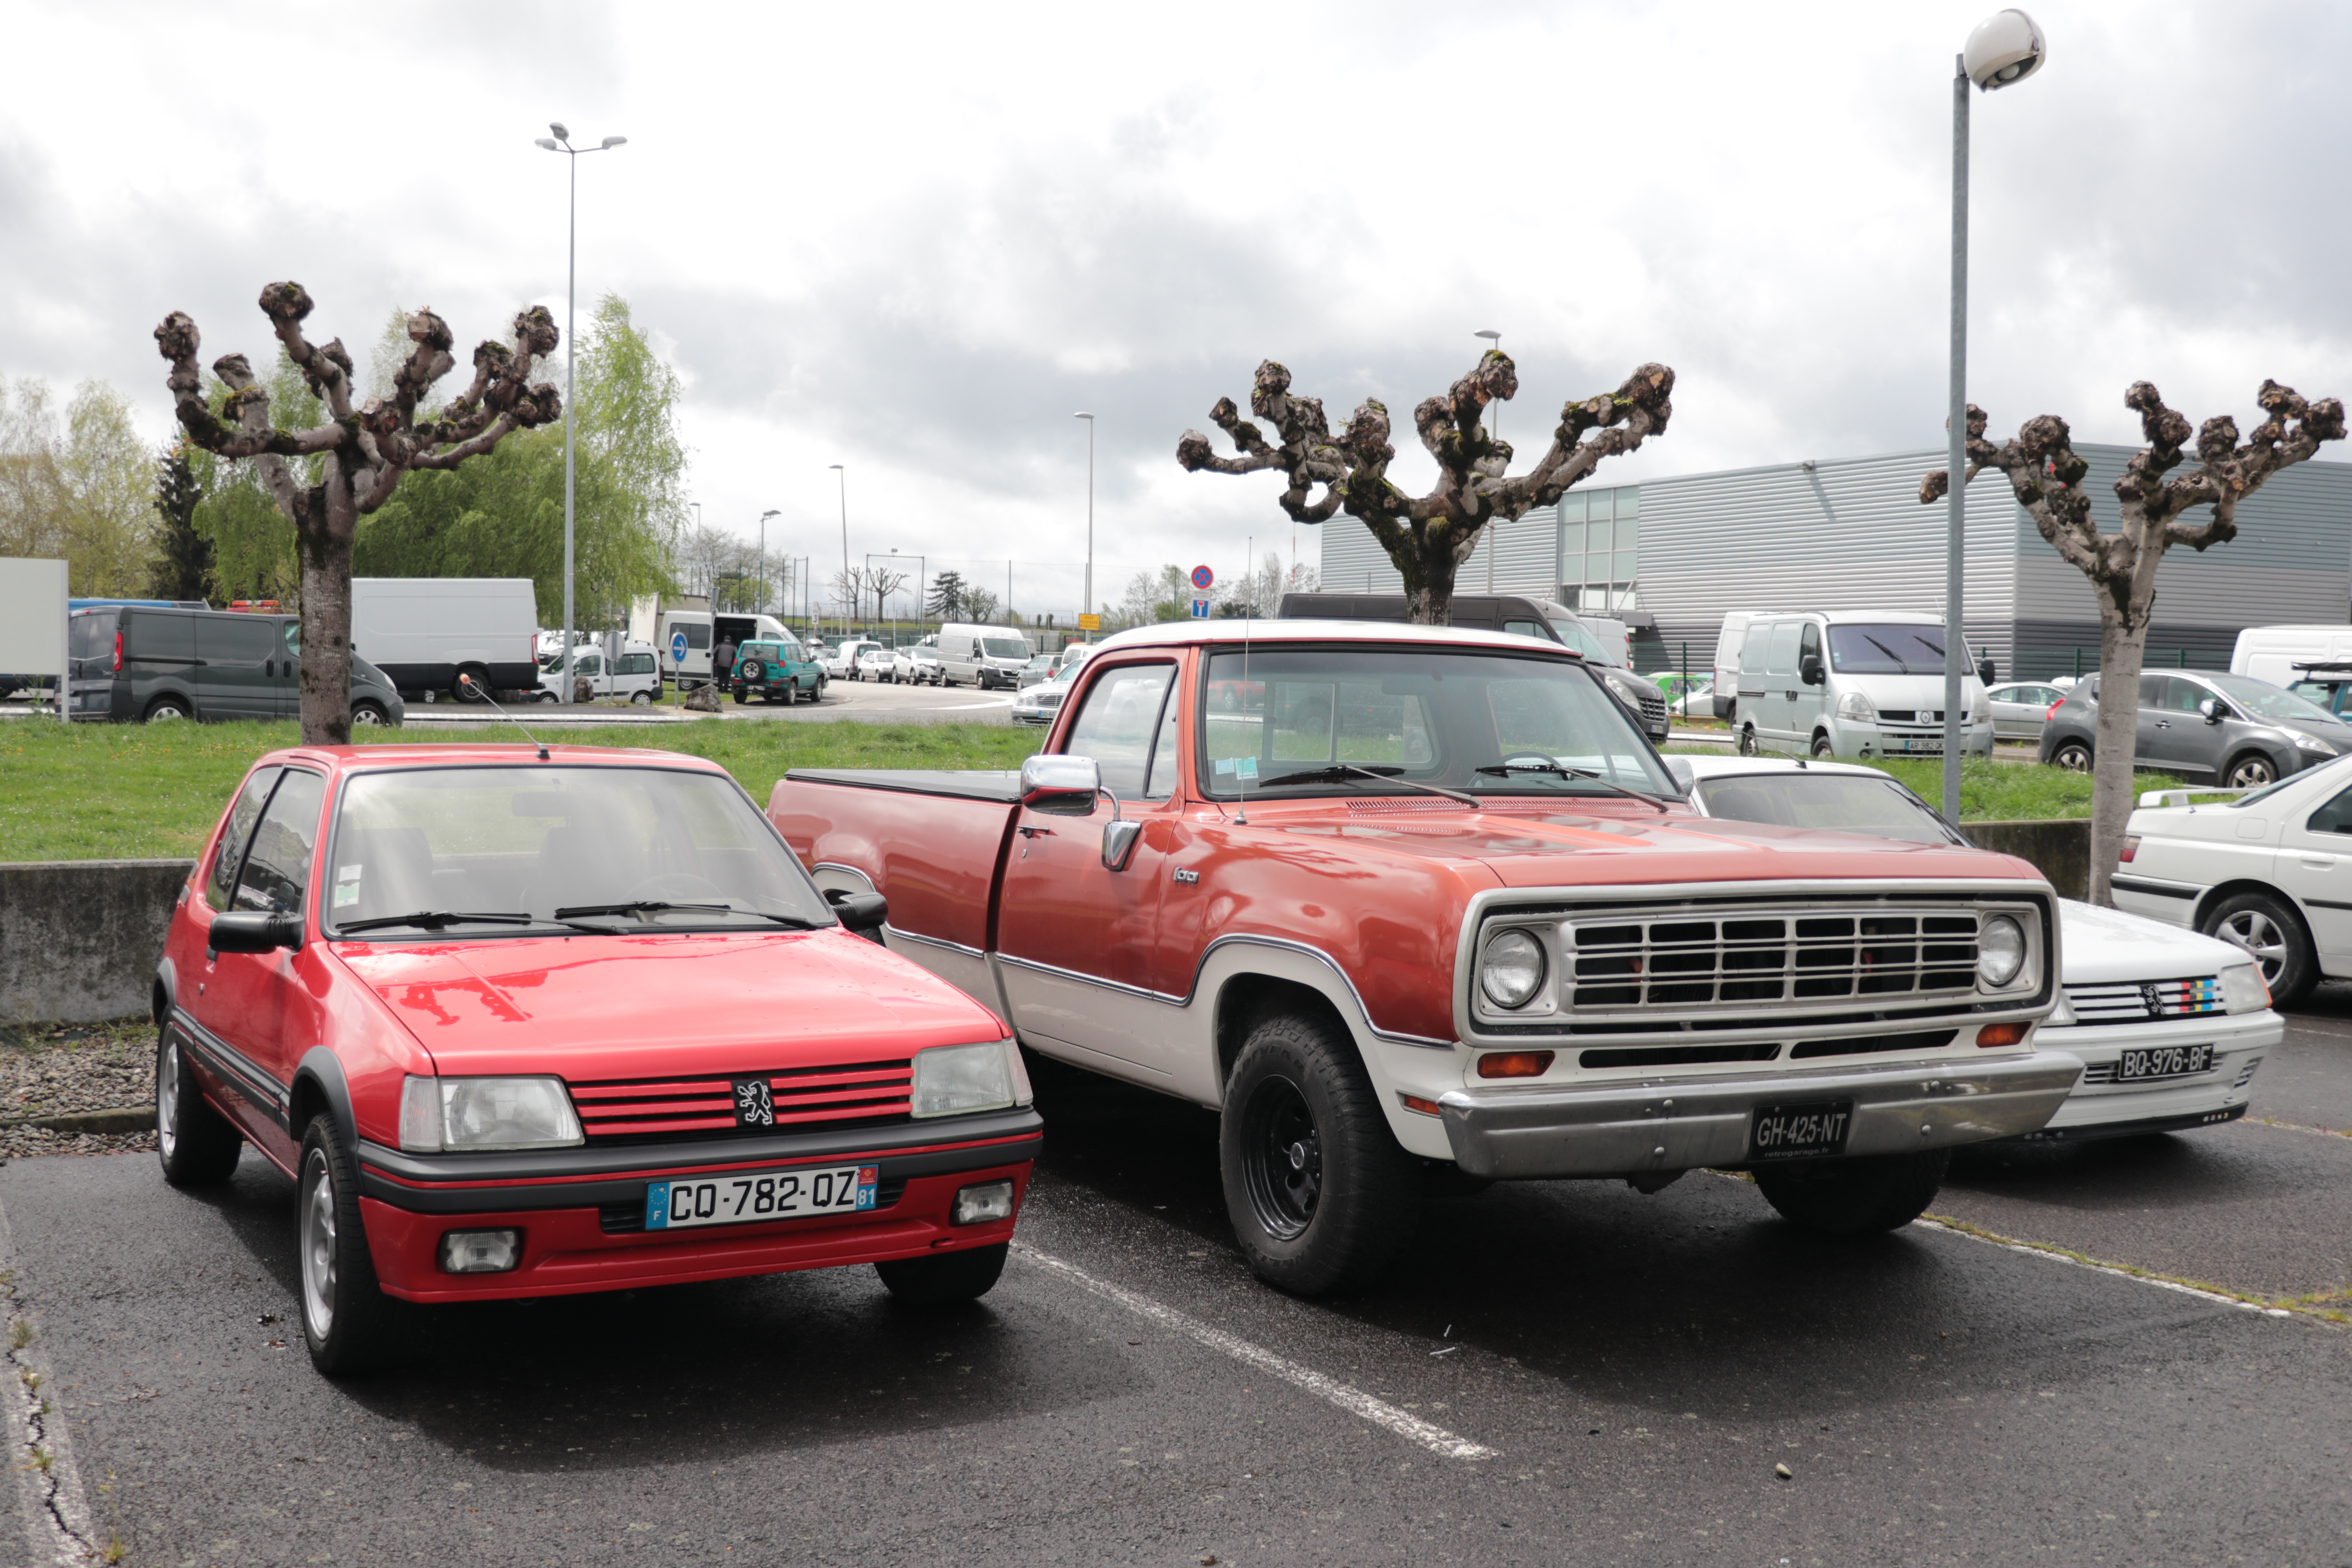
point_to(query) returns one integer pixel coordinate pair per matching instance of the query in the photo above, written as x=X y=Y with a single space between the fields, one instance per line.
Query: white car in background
x=1042 y=703
x=2270 y=872
x=874 y=662
x=2169 y=1026
x=840 y=661
x=916 y=666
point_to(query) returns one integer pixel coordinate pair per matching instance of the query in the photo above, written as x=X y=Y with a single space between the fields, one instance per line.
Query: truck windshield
x=1579 y=636
x=1894 y=649
x=1300 y=722
x=1004 y=647
x=649 y=848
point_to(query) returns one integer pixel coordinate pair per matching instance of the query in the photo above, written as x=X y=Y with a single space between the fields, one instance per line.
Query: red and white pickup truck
x=1400 y=897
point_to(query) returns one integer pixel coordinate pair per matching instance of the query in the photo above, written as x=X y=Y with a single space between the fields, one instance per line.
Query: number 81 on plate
x=759 y=1194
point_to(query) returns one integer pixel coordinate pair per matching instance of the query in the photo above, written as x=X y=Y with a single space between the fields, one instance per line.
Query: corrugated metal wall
x=1526 y=555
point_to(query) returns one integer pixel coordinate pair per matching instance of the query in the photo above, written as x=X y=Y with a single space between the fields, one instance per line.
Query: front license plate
x=2163 y=1061
x=1799 y=1131
x=759 y=1194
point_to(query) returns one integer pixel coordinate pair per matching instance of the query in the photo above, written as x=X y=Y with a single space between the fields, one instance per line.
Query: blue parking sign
x=678 y=648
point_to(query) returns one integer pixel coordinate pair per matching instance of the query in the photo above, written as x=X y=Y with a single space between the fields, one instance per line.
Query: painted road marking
x=1355 y=1401
x=2053 y=1255
x=55 y=1514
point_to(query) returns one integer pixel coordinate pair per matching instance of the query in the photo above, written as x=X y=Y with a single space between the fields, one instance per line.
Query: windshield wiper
x=657 y=906
x=1889 y=652
x=1507 y=768
x=1348 y=773
x=434 y=920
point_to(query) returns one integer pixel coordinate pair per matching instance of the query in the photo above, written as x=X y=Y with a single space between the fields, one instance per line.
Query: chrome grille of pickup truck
x=1760 y=957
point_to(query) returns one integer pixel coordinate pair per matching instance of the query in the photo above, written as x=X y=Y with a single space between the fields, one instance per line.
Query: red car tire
x=348 y=1322
x=944 y=1278
x=198 y=1145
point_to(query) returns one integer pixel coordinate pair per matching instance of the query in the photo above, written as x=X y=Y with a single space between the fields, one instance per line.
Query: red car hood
x=595 y=1007
x=1526 y=847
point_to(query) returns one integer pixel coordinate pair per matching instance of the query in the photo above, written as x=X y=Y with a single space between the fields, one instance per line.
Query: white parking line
x=1355 y=1401
x=2052 y=1255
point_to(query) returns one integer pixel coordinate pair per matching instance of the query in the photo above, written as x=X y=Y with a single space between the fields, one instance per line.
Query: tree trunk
x=2123 y=649
x=1428 y=570
x=326 y=553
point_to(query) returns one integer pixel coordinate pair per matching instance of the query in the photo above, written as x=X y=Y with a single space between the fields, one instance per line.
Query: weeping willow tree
x=502 y=514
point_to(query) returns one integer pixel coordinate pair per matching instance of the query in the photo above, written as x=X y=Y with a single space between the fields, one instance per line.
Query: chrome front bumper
x=1626 y=1129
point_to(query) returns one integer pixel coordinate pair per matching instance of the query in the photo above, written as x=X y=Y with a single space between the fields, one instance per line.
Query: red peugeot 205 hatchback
x=523 y=1023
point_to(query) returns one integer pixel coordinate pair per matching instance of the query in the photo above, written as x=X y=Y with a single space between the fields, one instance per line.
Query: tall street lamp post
x=561 y=143
x=763 y=559
x=848 y=585
x=2005 y=48
x=1087 y=604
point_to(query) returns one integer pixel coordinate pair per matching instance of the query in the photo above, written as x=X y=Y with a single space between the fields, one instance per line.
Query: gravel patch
x=49 y=1069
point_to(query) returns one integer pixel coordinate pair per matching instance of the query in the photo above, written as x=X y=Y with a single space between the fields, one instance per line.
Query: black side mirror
x=254 y=931
x=1808 y=669
x=1985 y=670
x=861 y=912
x=2211 y=709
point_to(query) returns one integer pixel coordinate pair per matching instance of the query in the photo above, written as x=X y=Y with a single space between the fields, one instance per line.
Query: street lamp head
x=1082 y=416
x=2005 y=48
x=548 y=143
x=616 y=141
x=1490 y=334
x=561 y=134
x=769 y=513
x=836 y=466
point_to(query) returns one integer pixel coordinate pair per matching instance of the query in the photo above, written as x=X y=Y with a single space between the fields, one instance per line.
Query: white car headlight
x=1511 y=970
x=2000 y=951
x=2304 y=742
x=2243 y=989
x=951 y=1080
x=1854 y=705
x=455 y=1114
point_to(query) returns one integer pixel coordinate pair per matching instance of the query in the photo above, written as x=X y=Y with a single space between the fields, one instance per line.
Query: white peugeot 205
x=2169 y=1026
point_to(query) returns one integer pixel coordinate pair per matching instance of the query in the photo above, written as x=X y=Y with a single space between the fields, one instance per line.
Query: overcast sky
x=915 y=238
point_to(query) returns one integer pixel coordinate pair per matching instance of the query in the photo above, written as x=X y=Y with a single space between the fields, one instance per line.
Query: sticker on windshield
x=347 y=884
x=1242 y=767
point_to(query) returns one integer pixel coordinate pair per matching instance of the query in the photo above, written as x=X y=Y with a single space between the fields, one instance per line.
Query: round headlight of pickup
x=1511 y=971
x=2000 y=951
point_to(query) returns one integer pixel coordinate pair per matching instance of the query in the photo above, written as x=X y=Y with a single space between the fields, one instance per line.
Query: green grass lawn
x=106 y=791
x=1993 y=790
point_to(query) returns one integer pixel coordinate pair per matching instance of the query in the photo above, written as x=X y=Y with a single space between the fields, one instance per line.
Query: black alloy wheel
x=1320 y=1196
x=198 y=1145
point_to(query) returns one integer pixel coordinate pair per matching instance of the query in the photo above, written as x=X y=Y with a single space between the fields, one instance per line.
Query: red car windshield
x=648 y=849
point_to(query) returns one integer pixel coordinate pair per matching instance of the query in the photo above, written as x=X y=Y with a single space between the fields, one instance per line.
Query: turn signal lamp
x=1514 y=1063
x=2001 y=1035
x=1426 y=1107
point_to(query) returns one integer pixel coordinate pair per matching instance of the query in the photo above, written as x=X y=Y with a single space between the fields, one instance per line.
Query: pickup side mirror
x=861 y=912
x=2211 y=711
x=1808 y=669
x=1061 y=785
x=254 y=931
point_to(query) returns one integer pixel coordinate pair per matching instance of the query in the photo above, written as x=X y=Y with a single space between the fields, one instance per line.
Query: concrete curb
x=125 y=1119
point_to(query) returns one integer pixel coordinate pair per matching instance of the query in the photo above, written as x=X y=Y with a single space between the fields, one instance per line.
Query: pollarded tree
x=2046 y=476
x=1429 y=537
x=361 y=453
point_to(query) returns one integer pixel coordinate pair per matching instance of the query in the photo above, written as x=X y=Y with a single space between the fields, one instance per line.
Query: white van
x=1852 y=683
x=633 y=672
x=1726 y=694
x=988 y=657
x=840 y=660
x=688 y=637
x=2275 y=653
x=426 y=632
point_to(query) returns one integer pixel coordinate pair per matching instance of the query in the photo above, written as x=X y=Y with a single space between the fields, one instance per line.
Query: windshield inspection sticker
x=347 y=884
x=1242 y=767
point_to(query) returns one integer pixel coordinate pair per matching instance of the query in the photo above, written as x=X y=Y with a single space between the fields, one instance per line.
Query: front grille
x=691 y=1107
x=1653 y=709
x=627 y=1219
x=1760 y=957
x=1862 y=1045
x=1910 y=715
x=2137 y=1001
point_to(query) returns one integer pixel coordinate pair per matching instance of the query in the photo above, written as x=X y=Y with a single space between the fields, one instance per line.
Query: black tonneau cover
x=997 y=785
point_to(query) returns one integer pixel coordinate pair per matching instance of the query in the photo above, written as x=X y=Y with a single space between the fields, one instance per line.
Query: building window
x=1600 y=548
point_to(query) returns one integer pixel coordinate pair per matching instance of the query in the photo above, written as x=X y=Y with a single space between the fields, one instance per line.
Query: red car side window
x=278 y=869
x=222 y=878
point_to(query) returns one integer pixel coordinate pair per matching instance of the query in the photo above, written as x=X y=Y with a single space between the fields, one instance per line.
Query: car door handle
x=2320 y=862
x=1027 y=832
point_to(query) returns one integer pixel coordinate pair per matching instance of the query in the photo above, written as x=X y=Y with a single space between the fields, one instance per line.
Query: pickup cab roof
x=1233 y=631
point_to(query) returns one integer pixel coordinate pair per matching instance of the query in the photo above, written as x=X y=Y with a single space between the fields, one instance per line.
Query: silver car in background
x=2021 y=708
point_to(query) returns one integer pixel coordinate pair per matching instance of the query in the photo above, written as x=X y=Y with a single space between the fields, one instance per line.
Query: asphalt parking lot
x=1562 y=1373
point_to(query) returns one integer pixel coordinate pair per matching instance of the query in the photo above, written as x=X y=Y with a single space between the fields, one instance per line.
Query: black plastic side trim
x=2156 y=889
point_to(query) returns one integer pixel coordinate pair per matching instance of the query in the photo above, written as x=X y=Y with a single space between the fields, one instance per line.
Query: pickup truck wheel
x=348 y=1322
x=197 y=1144
x=946 y=1278
x=1321 y=1196
x=1855 y=1197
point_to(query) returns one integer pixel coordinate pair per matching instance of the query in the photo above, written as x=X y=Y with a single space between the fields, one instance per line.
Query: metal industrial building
x=1670 y=556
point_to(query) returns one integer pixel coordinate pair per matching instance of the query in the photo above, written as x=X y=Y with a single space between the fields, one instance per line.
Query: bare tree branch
x=1428 y=536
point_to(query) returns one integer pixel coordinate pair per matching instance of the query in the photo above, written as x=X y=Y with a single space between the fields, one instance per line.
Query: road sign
x=678 y=648
x=1203 y=578
x=1089 y=623
x=1200 y=606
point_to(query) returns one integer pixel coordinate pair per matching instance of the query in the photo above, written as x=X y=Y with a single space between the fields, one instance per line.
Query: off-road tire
x=1320 y=1196
x=198 y=1145
x=1861 y=1197
x=2072 y=755
x=363 y=1328
x=945 y=1279
x=2270 y=931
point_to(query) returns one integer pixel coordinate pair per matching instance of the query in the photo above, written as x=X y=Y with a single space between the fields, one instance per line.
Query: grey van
x=1504 y=612
x=133 y=663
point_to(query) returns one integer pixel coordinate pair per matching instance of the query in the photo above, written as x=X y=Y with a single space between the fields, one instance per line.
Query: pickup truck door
x=1074 y=939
